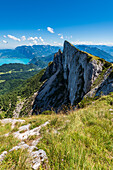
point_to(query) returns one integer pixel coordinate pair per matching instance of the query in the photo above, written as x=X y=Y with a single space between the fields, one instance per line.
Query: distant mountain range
x=98 y=51
x=41 y=55
x=43 y=61
x=9 y=53
x=108 y=49
x=29 y=51
x=37 y=50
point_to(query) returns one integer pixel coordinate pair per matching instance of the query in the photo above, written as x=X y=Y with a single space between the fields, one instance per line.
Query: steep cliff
x=69 y=78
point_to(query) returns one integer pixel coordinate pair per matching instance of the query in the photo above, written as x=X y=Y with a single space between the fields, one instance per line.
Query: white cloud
x=82 y=42
x=38 y=29
x=57 y=44
x=41 y=39
x=4 y=36
x=14 y=38
x=4 y=41
x=30 y=44
x=35 y=42
x=62 y=37
x=50 y=30
x=91 y=43
x=71 y=36
x=32 y=38
x=23 y=38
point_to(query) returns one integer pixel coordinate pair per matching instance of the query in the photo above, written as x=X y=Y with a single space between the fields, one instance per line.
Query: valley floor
x=80 y=139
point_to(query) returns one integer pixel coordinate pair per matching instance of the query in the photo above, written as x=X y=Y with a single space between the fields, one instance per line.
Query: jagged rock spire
x=68 y=78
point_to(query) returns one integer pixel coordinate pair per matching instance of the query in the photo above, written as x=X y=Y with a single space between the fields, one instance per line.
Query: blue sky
x=28 y=22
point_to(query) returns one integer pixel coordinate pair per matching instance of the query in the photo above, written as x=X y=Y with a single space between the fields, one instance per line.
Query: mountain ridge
x=28 y=51
x=96 y=51
x=69 y=78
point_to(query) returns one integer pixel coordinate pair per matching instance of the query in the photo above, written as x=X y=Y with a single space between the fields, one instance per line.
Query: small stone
x=2 y=156
x=31 y=148
x=22 y=143
x=14 y=148
x=24 y=146
x=38 y=157
x=6 y=135
x=36 y=165
x=24 y=128
x=35 y=142
x=32 y=132
x=110 y=110
x=12 y=121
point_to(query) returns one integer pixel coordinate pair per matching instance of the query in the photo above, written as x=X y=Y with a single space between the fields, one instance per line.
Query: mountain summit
x=72 y=75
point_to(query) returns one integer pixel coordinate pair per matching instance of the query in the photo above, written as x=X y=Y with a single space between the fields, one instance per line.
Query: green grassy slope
x=84 y=138
x=81 y=139
x=12 y=75
x=25 y=90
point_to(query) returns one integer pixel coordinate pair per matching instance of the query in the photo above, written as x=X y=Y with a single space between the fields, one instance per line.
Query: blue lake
x=13 y=60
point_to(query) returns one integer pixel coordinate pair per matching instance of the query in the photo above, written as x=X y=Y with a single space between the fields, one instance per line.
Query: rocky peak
x=79 y=71
x=53 y=66
x=68 y=78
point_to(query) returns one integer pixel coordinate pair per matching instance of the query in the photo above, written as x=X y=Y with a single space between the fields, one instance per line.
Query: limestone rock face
x=106 y=86
x=67 y=79
x=79 y=72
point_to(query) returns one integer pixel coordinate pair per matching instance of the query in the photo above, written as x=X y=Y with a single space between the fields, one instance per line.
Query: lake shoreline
x=14 y=60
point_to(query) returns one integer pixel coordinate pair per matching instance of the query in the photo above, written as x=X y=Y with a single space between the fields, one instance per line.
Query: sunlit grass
x=18 y=160
x=1 y=81
x=84 y=142
x=5 y=128
x=82 y=139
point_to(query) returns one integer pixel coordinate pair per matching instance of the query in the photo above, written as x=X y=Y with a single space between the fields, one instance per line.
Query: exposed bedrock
x=68 y=78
